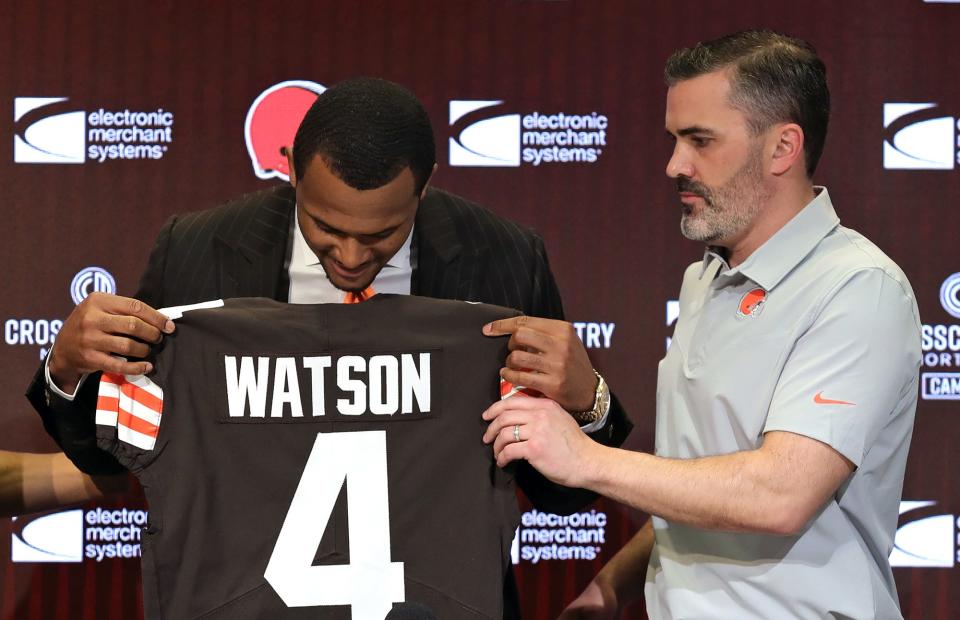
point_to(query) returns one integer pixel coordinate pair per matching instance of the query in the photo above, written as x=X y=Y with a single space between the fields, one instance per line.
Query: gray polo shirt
x=816 y=333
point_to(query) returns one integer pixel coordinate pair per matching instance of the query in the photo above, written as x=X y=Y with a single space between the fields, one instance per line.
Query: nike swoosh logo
x=820 y=400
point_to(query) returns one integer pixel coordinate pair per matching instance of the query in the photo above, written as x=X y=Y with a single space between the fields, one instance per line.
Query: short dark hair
x=775 y=78
x=367 y=130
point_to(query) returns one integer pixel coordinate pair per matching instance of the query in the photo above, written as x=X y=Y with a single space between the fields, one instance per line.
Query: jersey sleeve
x=854 y=368
x=129 y=411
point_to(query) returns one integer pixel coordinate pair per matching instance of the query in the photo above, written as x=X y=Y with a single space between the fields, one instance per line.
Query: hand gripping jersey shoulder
x=318 y=461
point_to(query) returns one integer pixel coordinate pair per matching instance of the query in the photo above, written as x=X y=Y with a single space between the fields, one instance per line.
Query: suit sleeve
x=546 y=495
x=545 y=301
x=71 y=423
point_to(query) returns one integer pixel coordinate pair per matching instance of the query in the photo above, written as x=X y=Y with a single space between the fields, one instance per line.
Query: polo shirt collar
x=773 y=260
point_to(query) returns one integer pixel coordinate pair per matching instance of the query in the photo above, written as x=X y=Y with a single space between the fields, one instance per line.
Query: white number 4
x=370 y=583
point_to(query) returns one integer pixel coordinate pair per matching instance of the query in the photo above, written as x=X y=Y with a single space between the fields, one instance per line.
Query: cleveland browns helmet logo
x=272 y=122
x=751 y=304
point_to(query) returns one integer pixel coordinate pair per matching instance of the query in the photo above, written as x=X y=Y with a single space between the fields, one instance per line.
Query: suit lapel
x=448 y=266
x=253 y=254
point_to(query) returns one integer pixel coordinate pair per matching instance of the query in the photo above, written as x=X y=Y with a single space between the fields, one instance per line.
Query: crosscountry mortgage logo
x=950 y=295
x=927 y=541
x=481 y=137
x=943 y=342
x=48 y=131
x=940 y=385
x=48 y=138
x=940 y=344
x=595 y=335
x=918 y=138
x=91 y=280
x=272 y=122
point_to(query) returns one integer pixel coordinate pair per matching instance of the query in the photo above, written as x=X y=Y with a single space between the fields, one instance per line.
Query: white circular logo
x=950 y=295
x=91 y=280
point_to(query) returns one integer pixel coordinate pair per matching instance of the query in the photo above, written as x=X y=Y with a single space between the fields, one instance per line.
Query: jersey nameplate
x=315 y=388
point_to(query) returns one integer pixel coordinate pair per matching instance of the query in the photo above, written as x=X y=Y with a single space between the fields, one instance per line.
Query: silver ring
x=516 y=432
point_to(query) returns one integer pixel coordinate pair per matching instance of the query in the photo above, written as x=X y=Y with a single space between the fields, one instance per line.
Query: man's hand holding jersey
x=547 y=355
x=541 y=432
x=101 y=328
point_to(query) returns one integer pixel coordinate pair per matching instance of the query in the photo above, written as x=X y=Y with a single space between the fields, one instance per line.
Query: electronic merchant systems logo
x=543 y=536
x=917 y=136
x=49 y=130
x=941 y=348
x=272 y=122
x=486 y=134
x=57 y=537
x=924 y=538
x=72 y=535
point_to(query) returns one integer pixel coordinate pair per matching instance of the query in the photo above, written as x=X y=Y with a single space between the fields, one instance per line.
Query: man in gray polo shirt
x=785 y=404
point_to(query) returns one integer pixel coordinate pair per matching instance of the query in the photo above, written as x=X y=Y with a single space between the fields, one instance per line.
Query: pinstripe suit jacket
x=242 y=249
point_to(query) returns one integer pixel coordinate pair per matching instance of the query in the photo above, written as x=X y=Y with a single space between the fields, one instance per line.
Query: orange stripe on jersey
x=142 y=396
x=125 y=418
x=108 y=403
x=111 y=377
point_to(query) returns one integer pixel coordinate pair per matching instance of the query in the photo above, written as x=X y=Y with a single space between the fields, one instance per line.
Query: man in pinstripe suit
x=358 y=213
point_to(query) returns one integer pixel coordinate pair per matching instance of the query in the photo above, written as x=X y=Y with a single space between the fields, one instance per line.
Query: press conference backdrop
x=118 y=114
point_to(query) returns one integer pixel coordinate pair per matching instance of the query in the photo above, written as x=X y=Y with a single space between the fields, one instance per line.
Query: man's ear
x=288 y=151
x=788 y=149
x=427 y=184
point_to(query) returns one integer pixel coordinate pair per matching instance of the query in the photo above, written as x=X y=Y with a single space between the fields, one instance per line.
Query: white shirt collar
x=302 y=256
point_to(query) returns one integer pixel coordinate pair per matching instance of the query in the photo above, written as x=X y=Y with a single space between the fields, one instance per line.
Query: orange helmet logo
x=272 y=123
x=751 y=304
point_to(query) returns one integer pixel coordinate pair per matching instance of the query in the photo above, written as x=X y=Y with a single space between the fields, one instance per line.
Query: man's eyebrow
x=695 y=129
x=319 y=222
x=380 y=233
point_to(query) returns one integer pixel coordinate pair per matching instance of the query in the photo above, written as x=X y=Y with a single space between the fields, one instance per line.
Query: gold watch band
x=601 y=401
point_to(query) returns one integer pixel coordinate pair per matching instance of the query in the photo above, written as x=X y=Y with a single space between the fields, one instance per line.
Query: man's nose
x=352 y=253
x=679 y=164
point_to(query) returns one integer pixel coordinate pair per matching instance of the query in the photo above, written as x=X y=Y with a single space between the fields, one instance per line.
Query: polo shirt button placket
x=700 y=340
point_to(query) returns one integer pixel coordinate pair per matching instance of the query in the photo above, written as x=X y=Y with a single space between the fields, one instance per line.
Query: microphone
x=410 y=611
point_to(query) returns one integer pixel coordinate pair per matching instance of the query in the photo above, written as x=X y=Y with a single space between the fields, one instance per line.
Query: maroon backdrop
x=611 y=225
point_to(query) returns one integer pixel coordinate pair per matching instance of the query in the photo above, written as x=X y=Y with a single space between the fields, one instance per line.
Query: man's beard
x=351 y=287
x=729 y=209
